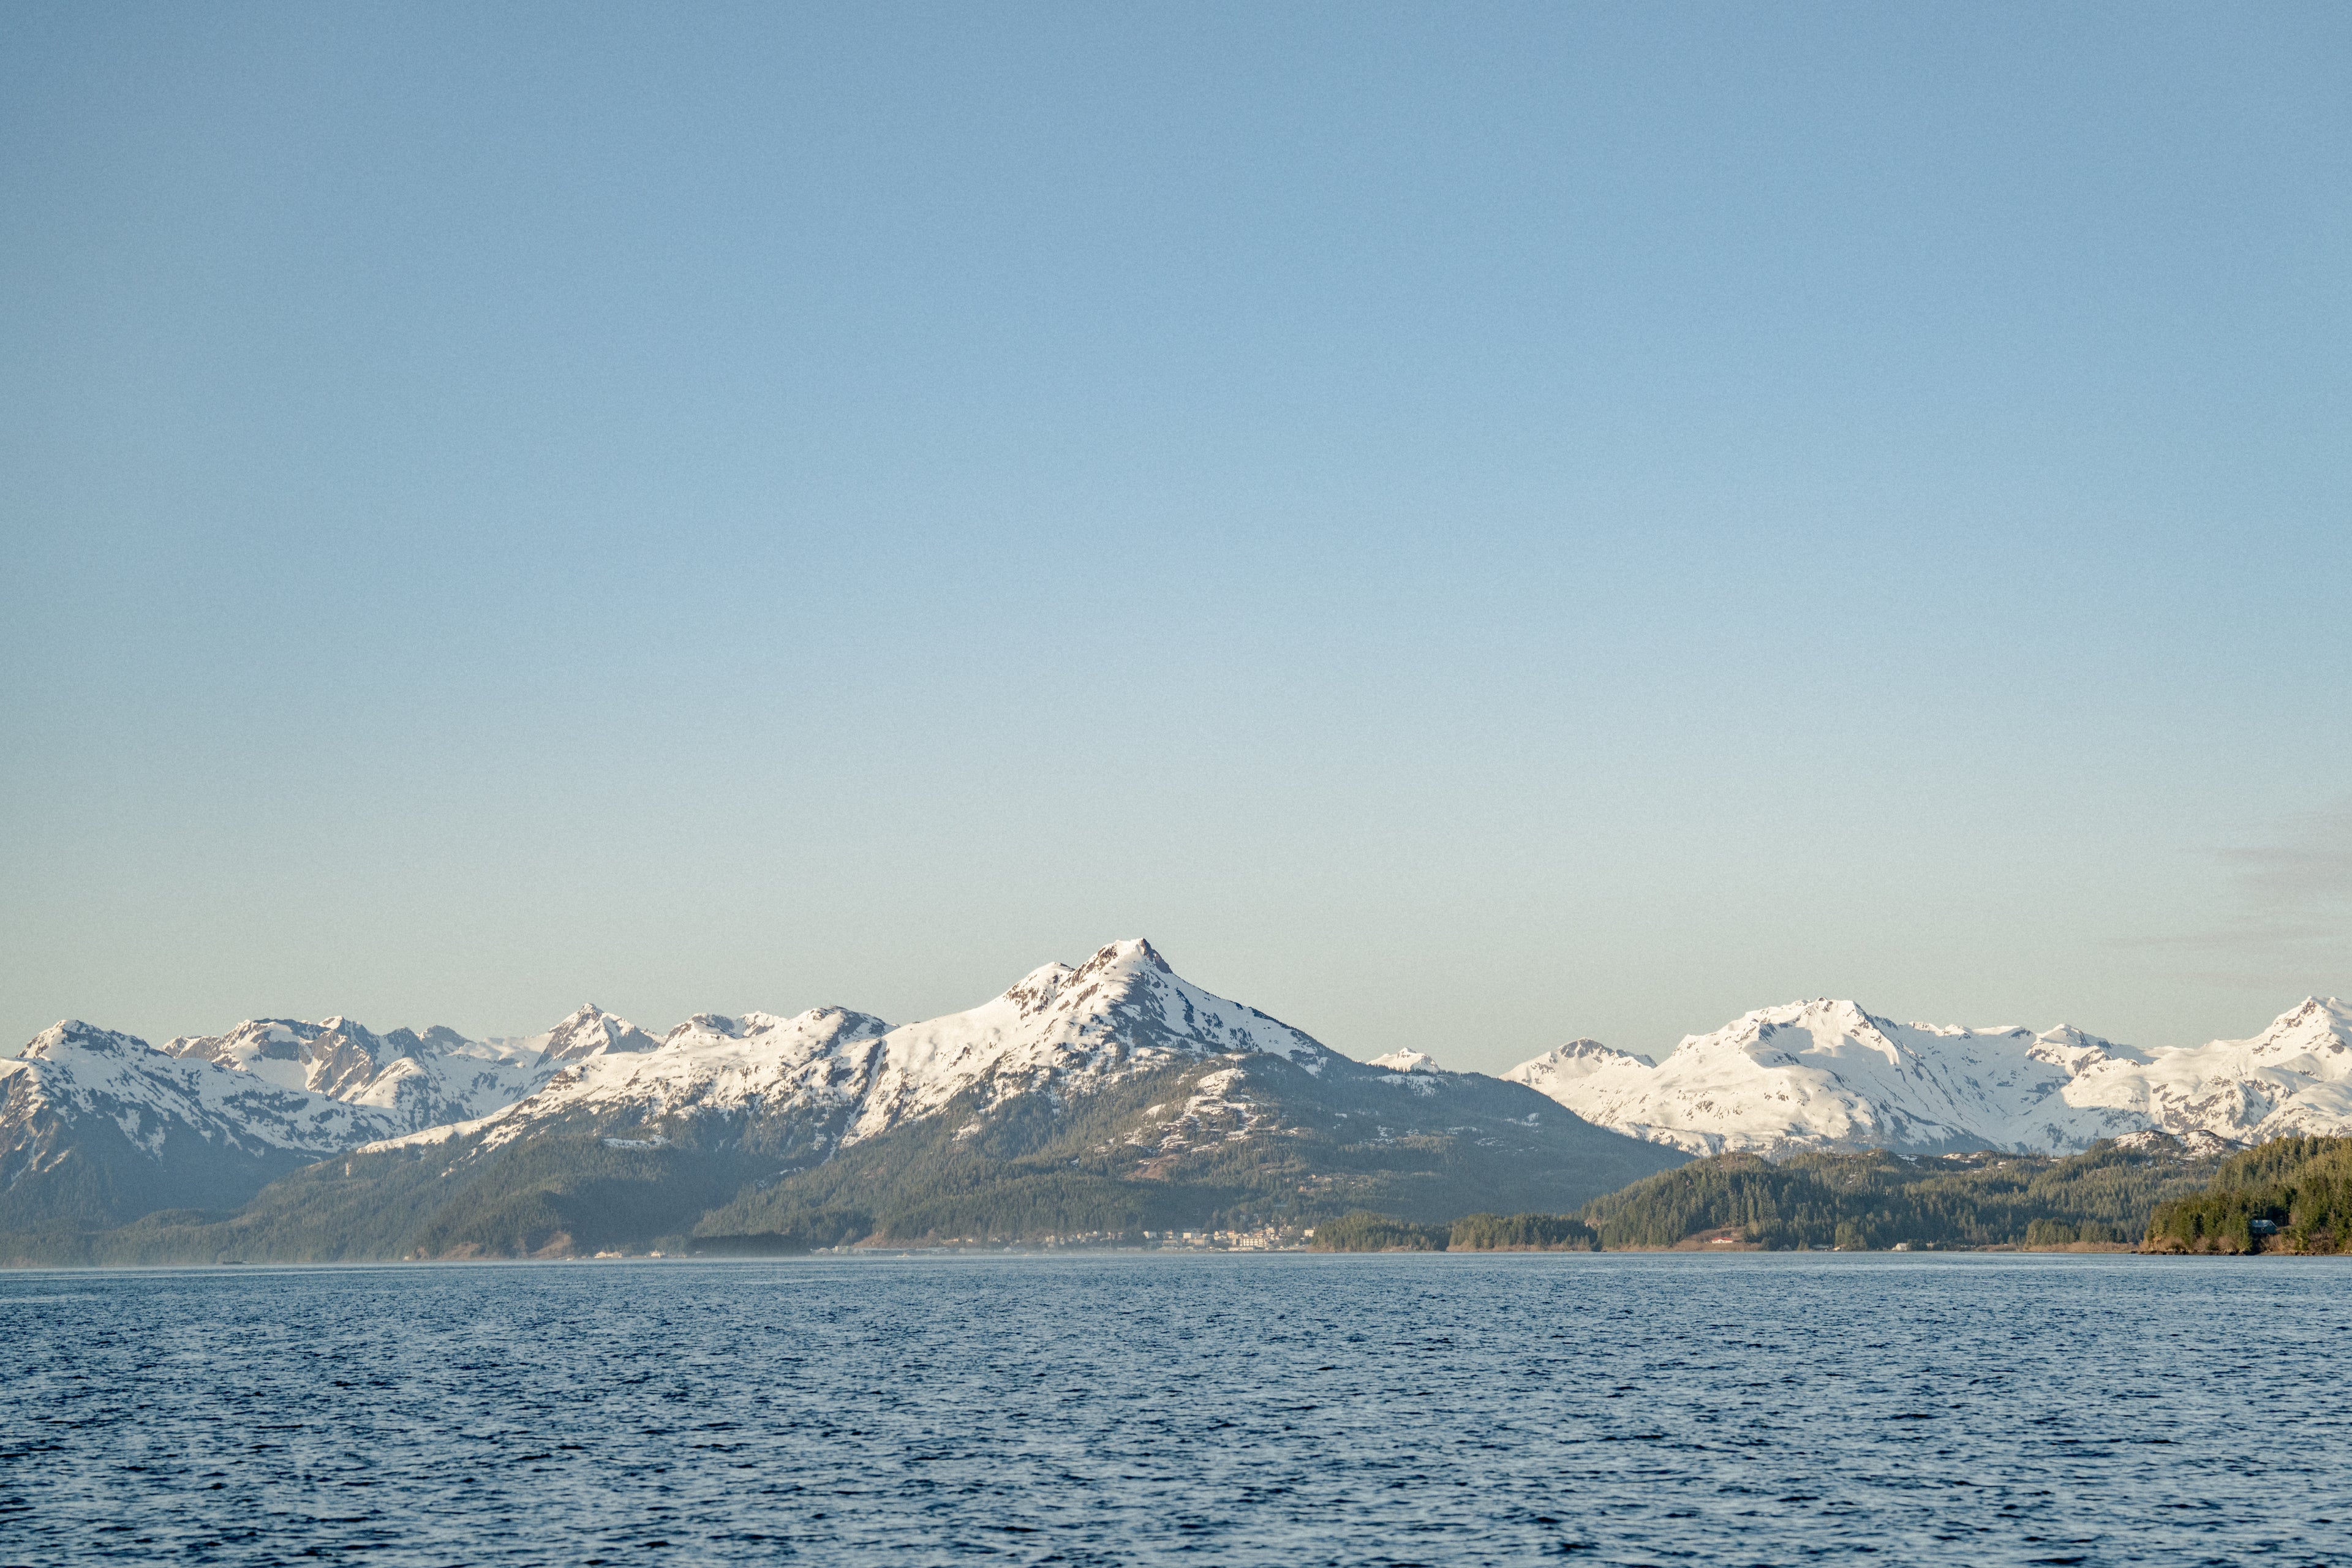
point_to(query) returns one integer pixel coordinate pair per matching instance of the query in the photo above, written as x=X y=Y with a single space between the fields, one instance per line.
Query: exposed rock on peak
x=73 y=1035
x=1036 y=991
x=591 y=1031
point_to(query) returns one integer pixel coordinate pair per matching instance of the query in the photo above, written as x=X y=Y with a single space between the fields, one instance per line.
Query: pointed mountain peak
x=349 y=1030
x=590 y=1031
x=2323 y=1022
x=1114 y=962
x=1408 y=1061
x=1135 y=953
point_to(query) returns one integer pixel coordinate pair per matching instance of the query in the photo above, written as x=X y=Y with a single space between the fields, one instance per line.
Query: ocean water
x=1242 y=1410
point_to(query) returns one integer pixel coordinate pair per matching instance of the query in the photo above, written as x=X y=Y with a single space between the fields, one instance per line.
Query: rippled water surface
x=1290 y=1410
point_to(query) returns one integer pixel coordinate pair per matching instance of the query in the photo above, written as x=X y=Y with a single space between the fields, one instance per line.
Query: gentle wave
x=1269 y=1410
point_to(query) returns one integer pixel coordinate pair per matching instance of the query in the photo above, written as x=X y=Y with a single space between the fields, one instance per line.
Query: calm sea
x=1277 y=1410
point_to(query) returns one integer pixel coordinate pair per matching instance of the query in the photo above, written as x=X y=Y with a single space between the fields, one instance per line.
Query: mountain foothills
x=1107 y=1098
x=1114 y=1097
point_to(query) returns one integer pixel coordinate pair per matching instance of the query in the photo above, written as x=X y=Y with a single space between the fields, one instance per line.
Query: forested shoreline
x=2290 y=1195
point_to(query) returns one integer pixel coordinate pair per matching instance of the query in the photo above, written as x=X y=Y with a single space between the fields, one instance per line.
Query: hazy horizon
x=1466 y=529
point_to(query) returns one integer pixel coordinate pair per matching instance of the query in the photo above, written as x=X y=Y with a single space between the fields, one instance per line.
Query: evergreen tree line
x=1876 y=1200
x=1365 y=1232
x=2292 y=1195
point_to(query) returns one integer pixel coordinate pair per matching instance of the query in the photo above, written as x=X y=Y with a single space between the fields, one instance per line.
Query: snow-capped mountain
x=1826 y=1074
x=421 y=1080
x=2296 y=1077
x=589 y=1032
x=816 y=1066
x=1113 y=1094
x=852 y=1076
x=101 y=1125
x=1122 y=1011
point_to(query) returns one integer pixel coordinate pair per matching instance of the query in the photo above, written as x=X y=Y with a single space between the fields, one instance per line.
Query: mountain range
x=1102 y=1097
x=1826 y=1075
x=1096 y=1099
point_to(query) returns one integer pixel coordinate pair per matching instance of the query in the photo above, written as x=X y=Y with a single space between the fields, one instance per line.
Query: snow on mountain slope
x=1572 y=1063
x=2296 y=1077
x=97 y=1127
x=1825 y=1073
x=85 y=1070
x=1058 y=1029
x=592 y=1032
x=820 y=1062
x=1122 y=1011
x=75 y=1070
x=1407 y=1062
x=423 y=1080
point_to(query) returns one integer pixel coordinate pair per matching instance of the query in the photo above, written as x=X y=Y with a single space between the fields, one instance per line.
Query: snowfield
x=1826 y=1074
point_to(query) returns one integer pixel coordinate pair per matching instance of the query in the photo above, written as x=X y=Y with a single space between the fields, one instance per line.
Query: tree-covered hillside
x=2292 y=1195
x=1879 y=1200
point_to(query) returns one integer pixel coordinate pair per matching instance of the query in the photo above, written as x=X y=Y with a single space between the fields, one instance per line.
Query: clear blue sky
x=1469 y=526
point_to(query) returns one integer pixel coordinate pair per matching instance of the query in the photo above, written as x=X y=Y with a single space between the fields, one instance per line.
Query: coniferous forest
x=2292 y=1195
x=1363 y=1231
x=1876 y=1200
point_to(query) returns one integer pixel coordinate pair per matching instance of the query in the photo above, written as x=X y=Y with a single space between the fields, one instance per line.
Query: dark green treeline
x=1878 y=1200
x=2292 y=1195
